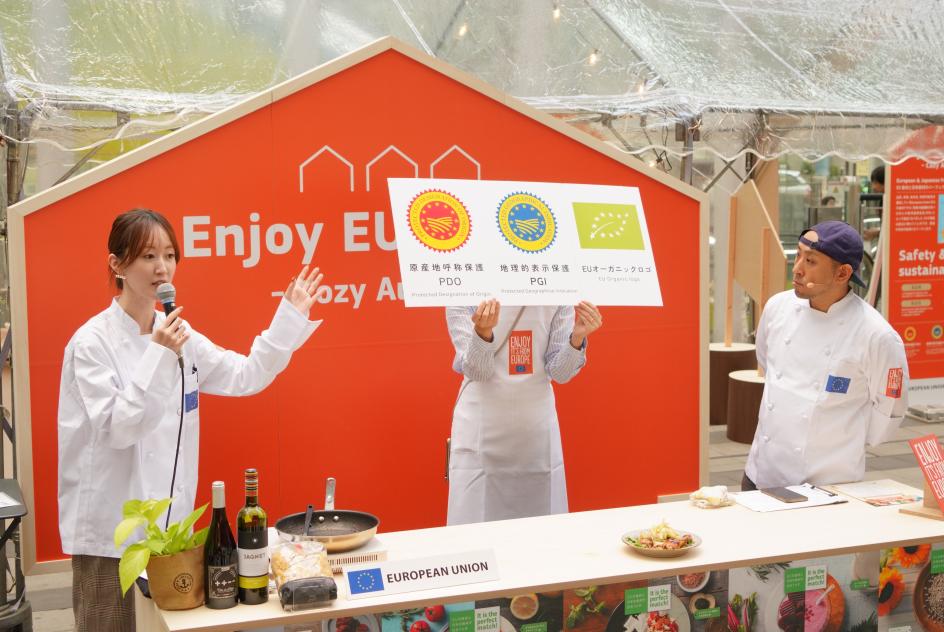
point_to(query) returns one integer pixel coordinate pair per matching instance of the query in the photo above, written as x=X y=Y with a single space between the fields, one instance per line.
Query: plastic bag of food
x=299 y=560
x=711 y=497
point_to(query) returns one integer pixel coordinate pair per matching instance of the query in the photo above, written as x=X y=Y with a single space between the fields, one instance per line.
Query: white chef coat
x=836 y=382
x=506 y=456
x=119 y=407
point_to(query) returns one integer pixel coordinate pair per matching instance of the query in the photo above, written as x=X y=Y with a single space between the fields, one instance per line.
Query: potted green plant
x=173 y=557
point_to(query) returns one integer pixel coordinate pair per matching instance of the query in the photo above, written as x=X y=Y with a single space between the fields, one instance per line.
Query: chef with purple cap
x=836 y=372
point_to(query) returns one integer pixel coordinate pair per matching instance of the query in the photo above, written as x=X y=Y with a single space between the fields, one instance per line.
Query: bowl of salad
x=661 y=541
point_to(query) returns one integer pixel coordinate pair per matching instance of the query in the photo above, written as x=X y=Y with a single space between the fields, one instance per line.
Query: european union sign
x=365 y=581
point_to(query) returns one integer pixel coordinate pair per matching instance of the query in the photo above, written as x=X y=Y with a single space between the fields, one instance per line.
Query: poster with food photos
x=525 y=612
x=833 y=594
x=599 y=608
x=431 y=618
x=911 y=589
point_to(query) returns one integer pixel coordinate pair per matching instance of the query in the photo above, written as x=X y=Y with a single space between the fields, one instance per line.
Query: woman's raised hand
x=302 y=289
x=485 y=318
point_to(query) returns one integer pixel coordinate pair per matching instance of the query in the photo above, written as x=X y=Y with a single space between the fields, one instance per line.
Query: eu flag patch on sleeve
x=837 y=384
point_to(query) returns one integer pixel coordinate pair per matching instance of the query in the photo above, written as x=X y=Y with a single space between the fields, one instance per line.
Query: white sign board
x=397 y=576
x=524 y=243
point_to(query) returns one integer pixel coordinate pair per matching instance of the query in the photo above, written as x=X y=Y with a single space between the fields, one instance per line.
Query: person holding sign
x=836 y=372
x=129 y=405
x=506 y=459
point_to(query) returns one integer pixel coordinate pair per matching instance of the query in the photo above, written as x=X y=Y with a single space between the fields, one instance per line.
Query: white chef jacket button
x=180 y=488
x=779 y=375
x=828 y=351
x=766 y=438
x=796 y=449
x=803 y=415
x=178 y=412
x=770 y=406
x=787 y=341
x=150 y=455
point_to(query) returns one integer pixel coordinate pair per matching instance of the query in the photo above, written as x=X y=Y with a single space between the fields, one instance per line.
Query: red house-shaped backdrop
x=303 y=168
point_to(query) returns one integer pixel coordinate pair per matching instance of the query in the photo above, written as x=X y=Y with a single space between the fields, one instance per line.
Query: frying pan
x=338 y=530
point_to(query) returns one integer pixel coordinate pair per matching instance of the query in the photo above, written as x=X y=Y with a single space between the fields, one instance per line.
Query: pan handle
x=329 y=495
x=308 y=519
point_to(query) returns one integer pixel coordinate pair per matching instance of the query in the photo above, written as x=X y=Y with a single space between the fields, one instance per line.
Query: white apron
x=506 y=459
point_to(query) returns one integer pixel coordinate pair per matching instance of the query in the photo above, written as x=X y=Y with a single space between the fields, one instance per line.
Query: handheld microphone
x=167 y=294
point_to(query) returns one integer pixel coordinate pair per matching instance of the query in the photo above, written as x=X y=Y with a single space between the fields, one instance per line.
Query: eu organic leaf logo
x=608 y=226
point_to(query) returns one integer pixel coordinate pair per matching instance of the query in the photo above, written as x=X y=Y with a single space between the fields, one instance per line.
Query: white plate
x=678 y=612
x=659 y=552
x=701 y=584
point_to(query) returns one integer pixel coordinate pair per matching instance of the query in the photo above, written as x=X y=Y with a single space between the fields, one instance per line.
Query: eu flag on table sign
x=365 y=581
x=837 y=384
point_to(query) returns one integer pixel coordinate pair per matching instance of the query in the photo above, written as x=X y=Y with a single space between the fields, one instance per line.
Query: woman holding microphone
x=125 y=431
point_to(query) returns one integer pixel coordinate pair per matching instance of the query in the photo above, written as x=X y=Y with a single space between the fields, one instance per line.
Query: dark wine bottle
x=253 y=541
x=220 y=555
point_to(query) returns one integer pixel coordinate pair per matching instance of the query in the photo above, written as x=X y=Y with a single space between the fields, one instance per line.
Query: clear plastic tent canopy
x=851 y=78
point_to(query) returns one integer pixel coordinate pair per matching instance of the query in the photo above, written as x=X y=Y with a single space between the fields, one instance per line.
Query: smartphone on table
x=784 y=495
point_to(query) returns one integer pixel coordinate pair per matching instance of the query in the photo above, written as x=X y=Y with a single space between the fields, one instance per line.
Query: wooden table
x=580 y=549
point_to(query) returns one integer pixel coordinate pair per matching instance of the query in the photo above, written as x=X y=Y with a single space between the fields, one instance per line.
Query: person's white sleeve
x=760 y=338
x=561 y=361
x=888 y=387
x=225 y=372
x=475 y=358
x=124 y=412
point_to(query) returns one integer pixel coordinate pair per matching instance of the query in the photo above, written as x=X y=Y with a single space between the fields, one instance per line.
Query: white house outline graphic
x=350 y=165
x=416 y=167
x=478 y=166
x=324 y=148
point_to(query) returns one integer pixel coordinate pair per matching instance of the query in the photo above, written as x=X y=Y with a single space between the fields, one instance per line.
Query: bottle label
x=253 y=562
x=254 y=582
x=222 y=581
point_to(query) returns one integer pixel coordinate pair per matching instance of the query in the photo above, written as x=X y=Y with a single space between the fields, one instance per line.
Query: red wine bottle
x=220 y=555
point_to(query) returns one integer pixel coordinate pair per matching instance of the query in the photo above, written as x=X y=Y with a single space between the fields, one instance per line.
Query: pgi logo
x=526 y=222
